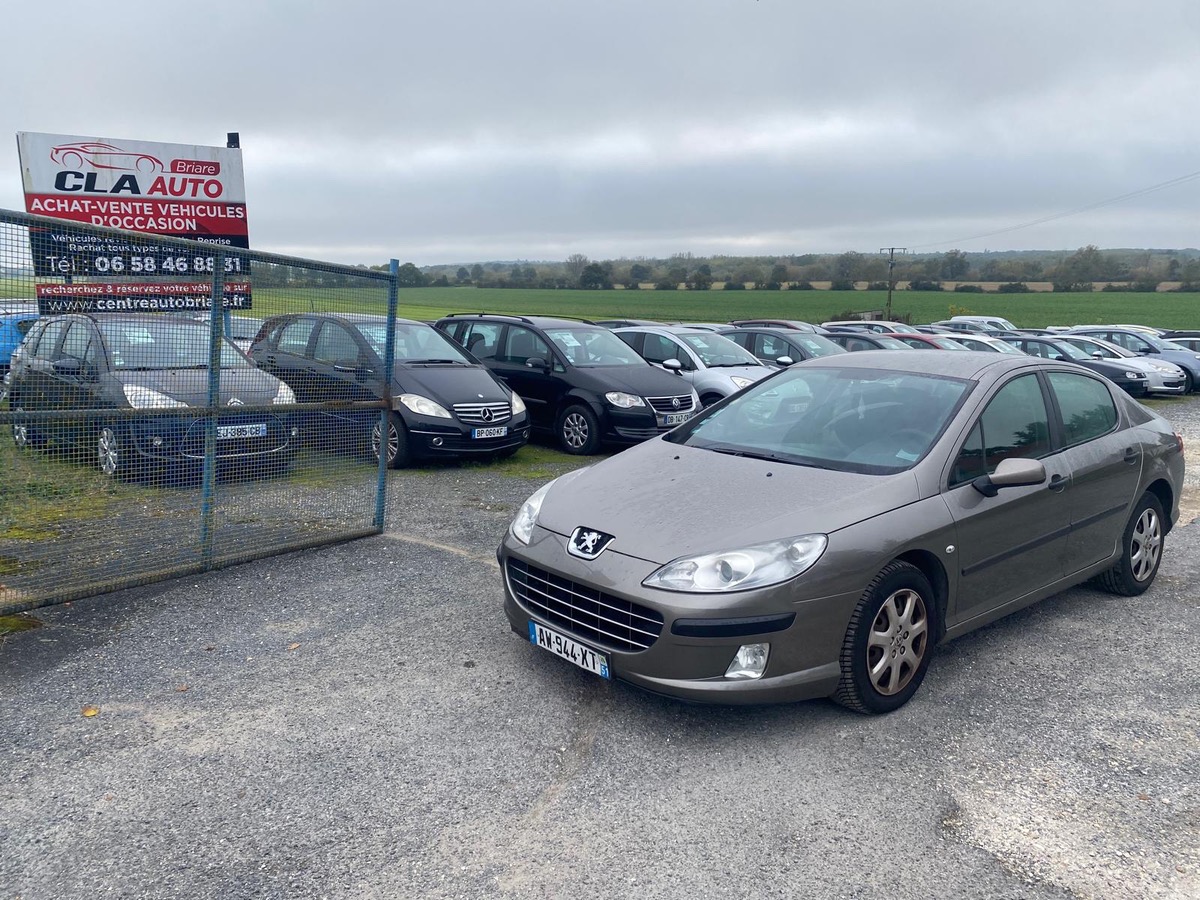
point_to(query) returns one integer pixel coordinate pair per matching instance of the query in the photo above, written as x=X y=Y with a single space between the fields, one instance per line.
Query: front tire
x=1189 y=383
x=889 y=641
x=579 y=431
x=708 y=400
x=397 y=442
x=1141 y=550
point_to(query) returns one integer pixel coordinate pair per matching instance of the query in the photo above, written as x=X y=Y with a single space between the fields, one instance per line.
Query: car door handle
x=1131 y=455
x=1058 y=483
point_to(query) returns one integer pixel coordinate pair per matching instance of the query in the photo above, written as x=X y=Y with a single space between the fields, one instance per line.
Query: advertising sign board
x=179 y=190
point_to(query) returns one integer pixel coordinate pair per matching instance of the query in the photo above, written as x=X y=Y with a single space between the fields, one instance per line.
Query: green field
x=1167 y=310
x=1026 y=310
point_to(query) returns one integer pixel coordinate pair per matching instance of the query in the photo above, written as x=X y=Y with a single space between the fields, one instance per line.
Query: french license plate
x=498 y=431
x=560 y=645
x=231 y=432
x=676 y=418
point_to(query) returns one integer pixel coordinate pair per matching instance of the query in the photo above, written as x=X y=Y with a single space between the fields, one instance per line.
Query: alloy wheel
x=575 y=430
x=108 y=451
x=897 y=642
x=1145 y=545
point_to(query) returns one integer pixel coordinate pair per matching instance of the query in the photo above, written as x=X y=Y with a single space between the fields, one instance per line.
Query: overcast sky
x=456 y=131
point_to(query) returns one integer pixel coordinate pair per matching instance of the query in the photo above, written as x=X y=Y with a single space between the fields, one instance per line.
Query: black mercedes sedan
x=445 y=403
x=102 y=363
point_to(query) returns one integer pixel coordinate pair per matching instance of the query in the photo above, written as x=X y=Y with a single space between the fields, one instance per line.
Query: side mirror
x=673 y=365
x=785 y=361
x=536 y=362
x=1145 y=351
x=1097 y=354
x=1010 y=473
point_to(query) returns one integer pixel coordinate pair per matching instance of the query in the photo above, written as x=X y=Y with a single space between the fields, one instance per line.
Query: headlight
x=284 y=394
x=518 y=405
x=1166 y=368
x=625 y=401
x=522 y=524
x=423 y=406
x=741 y=382
x=742 y=569
x=1134 y=375
x=143 y=398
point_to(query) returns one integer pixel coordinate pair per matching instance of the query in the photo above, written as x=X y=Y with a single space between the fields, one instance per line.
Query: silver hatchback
x=820 y=533
x=714 y=365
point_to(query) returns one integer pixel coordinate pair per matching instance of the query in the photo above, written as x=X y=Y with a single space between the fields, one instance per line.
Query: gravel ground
x=357 y=721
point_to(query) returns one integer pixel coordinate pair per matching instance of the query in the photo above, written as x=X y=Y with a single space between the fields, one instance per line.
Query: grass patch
x=536 y=462
x=18 y=623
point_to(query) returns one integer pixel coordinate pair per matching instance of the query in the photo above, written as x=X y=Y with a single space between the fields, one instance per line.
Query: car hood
x=249 y=386
x=449 y=384
x=752 y=372
x=661 y=500
x=644 y=381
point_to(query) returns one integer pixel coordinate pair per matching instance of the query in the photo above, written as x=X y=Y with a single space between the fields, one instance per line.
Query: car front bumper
x=700 y=633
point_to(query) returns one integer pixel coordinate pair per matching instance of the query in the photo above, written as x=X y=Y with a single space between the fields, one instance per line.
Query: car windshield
x=716 y=351
x=166 y=343
x=415 y=342
x=1111 y=351
x=891 y=343
x=816 y=345
x=873 y=421
x=1069 y=350
x=593 y=347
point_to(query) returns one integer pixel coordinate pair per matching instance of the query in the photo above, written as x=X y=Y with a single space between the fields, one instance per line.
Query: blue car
x=15 y=322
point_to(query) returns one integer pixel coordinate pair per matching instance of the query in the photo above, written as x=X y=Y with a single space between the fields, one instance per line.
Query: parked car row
x=472 y=385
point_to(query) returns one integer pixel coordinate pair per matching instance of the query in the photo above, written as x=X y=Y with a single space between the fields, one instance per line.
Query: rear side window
x=1087 y=407
x=1015 y=425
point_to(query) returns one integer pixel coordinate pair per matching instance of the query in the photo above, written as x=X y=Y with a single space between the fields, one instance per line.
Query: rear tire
x=579 y=431
x=1141 y=550
x=397 y=442
x=111 y=453
x=25 y=436
x=889 y=641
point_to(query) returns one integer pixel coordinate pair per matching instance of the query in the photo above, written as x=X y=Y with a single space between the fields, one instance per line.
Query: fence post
x=389 y=365
x=208 y=479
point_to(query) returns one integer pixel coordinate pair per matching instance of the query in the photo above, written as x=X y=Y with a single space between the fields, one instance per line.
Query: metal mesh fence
x=170 y=406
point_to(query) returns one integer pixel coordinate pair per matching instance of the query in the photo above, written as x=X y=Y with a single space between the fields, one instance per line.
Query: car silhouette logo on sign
x=587 y=543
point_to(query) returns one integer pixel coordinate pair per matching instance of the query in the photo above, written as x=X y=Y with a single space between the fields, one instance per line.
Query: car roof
x=666 y=329
x=353 y=318
x=536 y=321
x=967 y=364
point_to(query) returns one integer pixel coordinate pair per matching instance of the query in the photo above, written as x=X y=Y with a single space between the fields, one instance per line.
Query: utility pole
x=891 y=252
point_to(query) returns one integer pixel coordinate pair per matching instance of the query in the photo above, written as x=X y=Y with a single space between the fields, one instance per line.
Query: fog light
x=295 y=431
x=156 y=441
x=437 y=442
x=750 y=662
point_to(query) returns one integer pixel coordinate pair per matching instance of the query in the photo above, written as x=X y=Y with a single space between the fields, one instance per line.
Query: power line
x=1182 y=179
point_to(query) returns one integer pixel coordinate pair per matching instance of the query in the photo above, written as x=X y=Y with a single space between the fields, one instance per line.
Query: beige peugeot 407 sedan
x=819 y=533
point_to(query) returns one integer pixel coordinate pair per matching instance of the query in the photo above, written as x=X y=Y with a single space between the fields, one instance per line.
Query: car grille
x=482 y=413
x=584 y=612
x=667 y=404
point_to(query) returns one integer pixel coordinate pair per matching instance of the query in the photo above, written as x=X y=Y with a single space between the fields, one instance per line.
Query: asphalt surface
x=358 y=721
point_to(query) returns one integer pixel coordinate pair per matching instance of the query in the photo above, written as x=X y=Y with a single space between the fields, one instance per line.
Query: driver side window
x=1015 y=425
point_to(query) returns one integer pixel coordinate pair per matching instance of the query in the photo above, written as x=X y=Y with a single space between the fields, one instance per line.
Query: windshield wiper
x=426 y=362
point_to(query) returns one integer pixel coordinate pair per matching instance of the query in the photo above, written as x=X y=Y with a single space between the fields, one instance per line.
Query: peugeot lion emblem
x=587 y=543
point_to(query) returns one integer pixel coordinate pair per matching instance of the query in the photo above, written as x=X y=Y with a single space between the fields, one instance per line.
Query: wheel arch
x=931 y=567
x=1161 y=489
